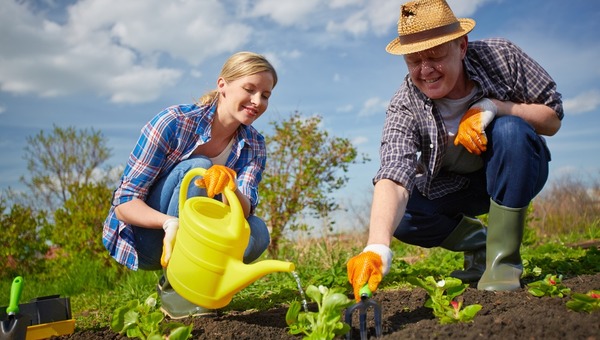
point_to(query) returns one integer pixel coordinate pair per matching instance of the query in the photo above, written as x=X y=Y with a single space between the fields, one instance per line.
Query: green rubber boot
x=469 y=236
x=174 y=305
x=505 y=232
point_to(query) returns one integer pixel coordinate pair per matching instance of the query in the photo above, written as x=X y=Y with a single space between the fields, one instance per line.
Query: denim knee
x=259 y=239
x=516 y=162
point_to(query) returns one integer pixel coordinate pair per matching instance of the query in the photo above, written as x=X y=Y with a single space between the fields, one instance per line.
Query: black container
x=44 y=310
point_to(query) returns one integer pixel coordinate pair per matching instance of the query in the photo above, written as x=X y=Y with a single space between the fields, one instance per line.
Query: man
x=461 y=138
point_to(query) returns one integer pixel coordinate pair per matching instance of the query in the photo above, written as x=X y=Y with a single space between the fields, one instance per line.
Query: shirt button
x=431 y=146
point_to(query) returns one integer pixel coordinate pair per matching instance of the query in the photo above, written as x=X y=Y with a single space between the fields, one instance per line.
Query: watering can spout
x=240 y=275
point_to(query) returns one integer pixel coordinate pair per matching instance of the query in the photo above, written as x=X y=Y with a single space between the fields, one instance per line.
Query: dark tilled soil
x=505 y=315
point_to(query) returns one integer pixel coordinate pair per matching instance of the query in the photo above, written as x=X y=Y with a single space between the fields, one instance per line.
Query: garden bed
x=505 y=315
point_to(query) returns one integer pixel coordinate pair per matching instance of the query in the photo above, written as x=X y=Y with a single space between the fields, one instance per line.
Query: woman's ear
x=221 y=85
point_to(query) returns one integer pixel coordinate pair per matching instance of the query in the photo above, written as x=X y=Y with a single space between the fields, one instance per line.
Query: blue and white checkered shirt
x=170 y=137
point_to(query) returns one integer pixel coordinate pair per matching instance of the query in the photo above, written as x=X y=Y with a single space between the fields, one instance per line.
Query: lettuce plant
x=442 y=300
x=325 y=323
x=145 y=321
x=589 y=302
x=550 y=286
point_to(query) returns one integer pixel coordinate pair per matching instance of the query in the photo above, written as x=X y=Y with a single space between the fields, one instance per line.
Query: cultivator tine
x=363 y=306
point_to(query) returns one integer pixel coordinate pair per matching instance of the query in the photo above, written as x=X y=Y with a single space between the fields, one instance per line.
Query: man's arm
x=389 y=204
x=544 y=120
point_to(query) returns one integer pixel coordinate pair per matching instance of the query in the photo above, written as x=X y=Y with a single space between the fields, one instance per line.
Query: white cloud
x=345 y=108
x=466 y=8
x=584 y=102
x=359 y=140
x=373 y=106
x=286 y=12
x=110 y=47
x=344 y=3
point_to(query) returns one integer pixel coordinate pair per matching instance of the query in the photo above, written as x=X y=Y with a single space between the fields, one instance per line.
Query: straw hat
x=424 y=24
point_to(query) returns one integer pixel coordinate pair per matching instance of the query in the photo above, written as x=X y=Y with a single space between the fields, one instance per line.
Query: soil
x=505 y=315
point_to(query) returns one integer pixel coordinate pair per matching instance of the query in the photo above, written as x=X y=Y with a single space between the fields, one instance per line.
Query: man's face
x=438 y=71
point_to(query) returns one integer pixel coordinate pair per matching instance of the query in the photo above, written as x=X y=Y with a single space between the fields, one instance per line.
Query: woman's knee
x=259 y=232
x=193 y=162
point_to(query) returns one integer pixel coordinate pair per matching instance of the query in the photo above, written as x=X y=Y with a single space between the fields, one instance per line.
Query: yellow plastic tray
x=46 y=330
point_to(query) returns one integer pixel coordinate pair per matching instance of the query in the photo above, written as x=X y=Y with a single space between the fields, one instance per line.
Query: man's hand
x=170 y=227
x=369 y=267
x=471 y=130
x=216 y=179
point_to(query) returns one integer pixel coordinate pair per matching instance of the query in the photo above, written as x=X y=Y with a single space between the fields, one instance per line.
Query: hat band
x=429 y=34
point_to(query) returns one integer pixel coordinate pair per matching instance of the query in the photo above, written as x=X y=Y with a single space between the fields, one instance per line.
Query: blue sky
x=113 y=64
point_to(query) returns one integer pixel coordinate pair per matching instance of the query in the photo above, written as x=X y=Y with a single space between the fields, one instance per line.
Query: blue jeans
x=515 y=171
x=164 y=197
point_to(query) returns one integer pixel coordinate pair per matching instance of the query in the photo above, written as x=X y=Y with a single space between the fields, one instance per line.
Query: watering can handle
x=234 y=203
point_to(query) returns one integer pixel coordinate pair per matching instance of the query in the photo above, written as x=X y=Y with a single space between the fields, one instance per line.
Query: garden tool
x=503 y=265
x=206 y=266
x=469 y=236
x=14 y=327
x=366 y=302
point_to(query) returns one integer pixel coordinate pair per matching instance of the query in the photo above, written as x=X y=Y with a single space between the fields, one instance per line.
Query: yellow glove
x=369 y=267
x=216 y=179
x=471 y=129
x=170 y=227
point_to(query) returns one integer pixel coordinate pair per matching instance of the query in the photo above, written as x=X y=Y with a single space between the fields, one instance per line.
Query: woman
x=215 y=134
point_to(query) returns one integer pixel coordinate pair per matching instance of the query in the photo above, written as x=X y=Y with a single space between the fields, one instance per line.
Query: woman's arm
x=137 y=212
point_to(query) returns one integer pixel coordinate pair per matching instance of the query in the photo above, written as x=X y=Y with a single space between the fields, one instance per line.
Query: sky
x=111 y=65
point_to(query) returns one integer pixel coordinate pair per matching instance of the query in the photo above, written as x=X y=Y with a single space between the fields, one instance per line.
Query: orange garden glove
x=369 y=267
x=471 y=129
x=216 y=179
x=170 y=227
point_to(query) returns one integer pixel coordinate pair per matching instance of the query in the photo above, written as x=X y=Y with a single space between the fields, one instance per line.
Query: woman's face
x=247 y=98
x=437 y=72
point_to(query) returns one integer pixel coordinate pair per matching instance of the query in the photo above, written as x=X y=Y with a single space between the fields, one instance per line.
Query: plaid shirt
x=414 y=136
x=166 y=140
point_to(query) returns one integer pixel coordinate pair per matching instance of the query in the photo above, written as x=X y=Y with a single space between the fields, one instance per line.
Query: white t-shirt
x=221 y=159
x=457 y=159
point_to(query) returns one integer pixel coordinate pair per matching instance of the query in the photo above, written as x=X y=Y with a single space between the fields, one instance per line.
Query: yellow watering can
x=206 y=266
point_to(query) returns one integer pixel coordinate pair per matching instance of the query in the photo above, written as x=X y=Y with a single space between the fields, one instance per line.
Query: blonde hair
x=240 y=65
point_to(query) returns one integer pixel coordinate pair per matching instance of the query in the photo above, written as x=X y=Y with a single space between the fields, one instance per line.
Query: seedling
x=550 y=286
x=589 y=302
x=442 y=300
x=144 y=321
x=325 y=323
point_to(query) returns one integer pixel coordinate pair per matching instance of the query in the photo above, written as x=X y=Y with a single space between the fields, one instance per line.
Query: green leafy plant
x=144 y=321
x=589 y=302
x=441 y=299
x=325 y=323
x=550 y=286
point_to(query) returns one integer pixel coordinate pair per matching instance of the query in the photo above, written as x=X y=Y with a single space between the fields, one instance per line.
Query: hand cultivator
x=365 y=303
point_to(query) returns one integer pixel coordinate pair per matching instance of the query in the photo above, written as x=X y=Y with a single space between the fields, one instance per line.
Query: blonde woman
x=216 y=134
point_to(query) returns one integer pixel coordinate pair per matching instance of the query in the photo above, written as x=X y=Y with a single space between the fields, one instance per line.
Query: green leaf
x=336 y=301
x=181 y=333
x=536 y=292
x=313 y=292
x=469 y=312
x=291 y=316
